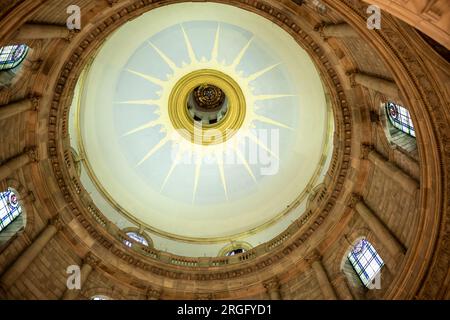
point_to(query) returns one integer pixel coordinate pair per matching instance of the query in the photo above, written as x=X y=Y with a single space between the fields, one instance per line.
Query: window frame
x=136 y=237
x=361 y=262
x=402 y=121
x=7 y=59
x=7 y=211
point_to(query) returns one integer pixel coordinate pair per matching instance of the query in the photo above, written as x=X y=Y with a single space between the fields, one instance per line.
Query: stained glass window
x=12 y=56
x=400 y=118
x=235 y=251
x=136 y=237
x=9 y=208
x=99 y=297
x=366 y=261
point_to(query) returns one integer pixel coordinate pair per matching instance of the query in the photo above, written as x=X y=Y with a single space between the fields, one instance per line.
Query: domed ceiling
x=201 y=124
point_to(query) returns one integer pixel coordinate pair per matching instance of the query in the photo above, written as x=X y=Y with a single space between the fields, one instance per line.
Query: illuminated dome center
x=207 y=107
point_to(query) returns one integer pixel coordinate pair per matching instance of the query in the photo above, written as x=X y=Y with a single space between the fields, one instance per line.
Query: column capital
x=72 y=34
x=3 y=292
x=35 y=103
x=351 y=76
x=365 y=150
x=57 y=222
x=153 y=294
x=91 y=260
x=272 y=284
x=204 y=296
x=354 y=199
x=112 y=2
x=33 y=154
x=314 y=256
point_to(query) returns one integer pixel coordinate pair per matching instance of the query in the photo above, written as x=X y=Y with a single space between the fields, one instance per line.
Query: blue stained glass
x=235 y=251
x=136 y=237
x=400 y=118
x=366 y=261
x=10 y=208
x=12 y=56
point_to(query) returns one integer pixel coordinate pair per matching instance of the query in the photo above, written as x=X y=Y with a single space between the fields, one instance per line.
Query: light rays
x=215 y=50
x=271 y=121
x=178 y=70
x=198 y=166
x=265 y=97
x=148 y=125
x=241 y=54
x=189 y=47
x=147 y=102
x=152 y=151
x=149 y=78
x=172 y=168
x=172 y=65
x=222 y=175
x=262 y=72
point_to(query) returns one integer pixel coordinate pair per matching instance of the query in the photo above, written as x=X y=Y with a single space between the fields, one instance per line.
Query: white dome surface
x=138 y=165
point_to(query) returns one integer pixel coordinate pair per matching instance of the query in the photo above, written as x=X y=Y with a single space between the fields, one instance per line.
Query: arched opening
x=100 y=297
x=12 y=216
x=135 y=236
x=399 y=126
x=234 y=248
x=362 y=266
x=11 y=58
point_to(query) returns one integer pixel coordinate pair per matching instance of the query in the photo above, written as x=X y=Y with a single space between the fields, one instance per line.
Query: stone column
x=43 y=31
x=273 y=289
x=27 y=257
x=9 y=110
x=341 y=286
x=387 y=87
x=88 y=265
x=382 y=233
x=341 y=30
x=322 y=277
x=153 y=294
x=408 y=184
x=7 y=168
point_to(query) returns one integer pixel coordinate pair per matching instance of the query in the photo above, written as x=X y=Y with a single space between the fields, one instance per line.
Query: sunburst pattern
x=199 y=152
